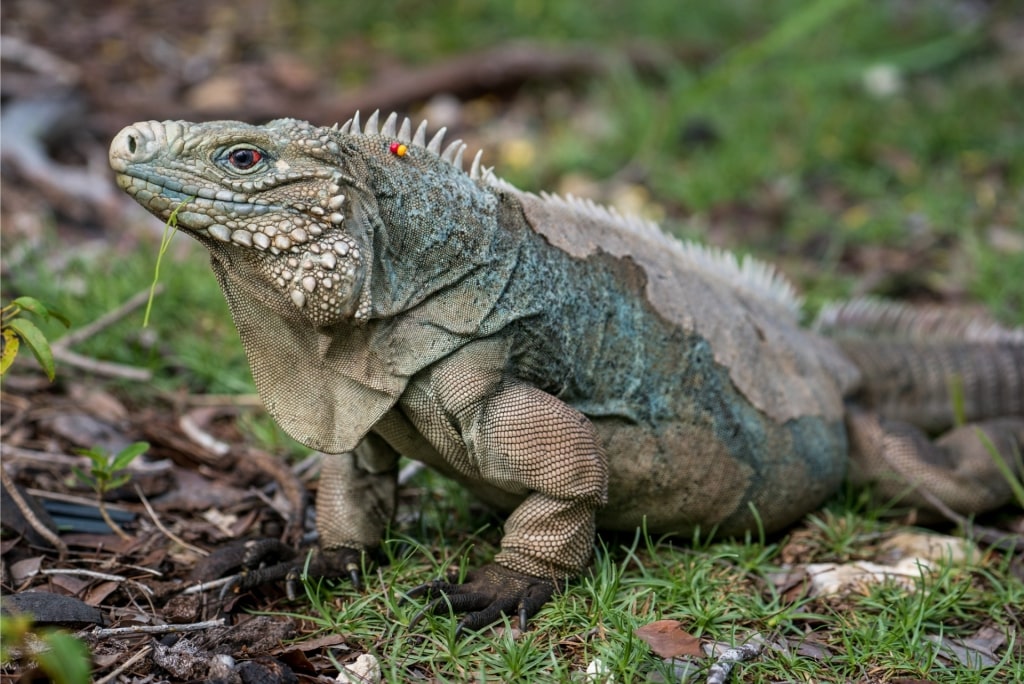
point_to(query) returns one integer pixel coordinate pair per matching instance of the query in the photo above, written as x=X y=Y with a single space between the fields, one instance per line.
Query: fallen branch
x=499 y=68
x=28 y=124
x=30 y=517
x=98 y=575
x=62 y=352
x=14 y=455
x=720 y=671
x=213 y=584
x=38 y=59
x=155 y=629
x=106 y=320
x=107 y=368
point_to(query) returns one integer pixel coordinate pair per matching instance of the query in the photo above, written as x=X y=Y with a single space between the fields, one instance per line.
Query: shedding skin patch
x=742 y=308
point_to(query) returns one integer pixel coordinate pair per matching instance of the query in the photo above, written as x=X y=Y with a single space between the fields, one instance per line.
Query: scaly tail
x=918 y=364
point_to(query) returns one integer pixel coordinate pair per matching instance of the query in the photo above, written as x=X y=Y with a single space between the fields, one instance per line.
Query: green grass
x=808 y=169
x=190 y=343
x=720 y=590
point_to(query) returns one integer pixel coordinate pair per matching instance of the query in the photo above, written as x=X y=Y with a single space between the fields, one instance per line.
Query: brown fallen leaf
x=978 y=651
x=26 y=569
x=668 y=639
x=100 y=592
x=69 y=584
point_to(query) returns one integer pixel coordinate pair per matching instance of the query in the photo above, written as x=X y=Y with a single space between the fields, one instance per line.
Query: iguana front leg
x=524 y=442
x=354 y=504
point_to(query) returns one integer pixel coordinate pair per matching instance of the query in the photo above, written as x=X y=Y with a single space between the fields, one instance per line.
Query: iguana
x=572 y=367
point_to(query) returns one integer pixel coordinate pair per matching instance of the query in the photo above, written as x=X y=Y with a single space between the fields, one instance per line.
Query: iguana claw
x=265 y=561
x=486 y=594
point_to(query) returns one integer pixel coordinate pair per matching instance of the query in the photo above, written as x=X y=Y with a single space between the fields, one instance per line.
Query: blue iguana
x=572 y=367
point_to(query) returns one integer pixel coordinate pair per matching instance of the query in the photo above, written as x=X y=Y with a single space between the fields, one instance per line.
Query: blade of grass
x=170 y=228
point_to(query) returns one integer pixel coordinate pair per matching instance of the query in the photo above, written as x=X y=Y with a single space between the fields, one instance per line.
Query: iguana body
x=569 y=366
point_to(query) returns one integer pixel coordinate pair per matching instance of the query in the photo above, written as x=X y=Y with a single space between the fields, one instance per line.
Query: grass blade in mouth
x=170 y=228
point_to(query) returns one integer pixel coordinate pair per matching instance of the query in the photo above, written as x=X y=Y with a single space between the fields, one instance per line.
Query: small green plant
x=170 y=228
x=61 y=657
x=107 y=473
x=17 y=329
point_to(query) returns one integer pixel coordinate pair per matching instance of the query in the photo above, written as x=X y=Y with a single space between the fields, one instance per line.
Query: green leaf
x=128 y=454
x=82 y=475
x=97 y=457
x=117 y=481
x=11 y=342
x=36 y=341
x=67 y=661
x=33 y=305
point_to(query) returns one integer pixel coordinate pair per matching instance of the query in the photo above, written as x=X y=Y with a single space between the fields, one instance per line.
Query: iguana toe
x=486 y=594
x=241 y=555
x=267 y=561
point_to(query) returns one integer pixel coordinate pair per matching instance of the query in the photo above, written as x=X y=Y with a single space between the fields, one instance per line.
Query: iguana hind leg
x=957 y=468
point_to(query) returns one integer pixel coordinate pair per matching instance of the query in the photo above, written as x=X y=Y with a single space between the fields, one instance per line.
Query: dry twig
x=30 y=516
x=160 y=526
x=142 y=653
x=137 y=630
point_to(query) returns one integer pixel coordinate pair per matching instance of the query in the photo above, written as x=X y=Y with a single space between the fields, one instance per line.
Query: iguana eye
x=244 y=158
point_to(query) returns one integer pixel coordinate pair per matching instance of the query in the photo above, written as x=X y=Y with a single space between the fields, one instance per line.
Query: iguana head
x=287 y=208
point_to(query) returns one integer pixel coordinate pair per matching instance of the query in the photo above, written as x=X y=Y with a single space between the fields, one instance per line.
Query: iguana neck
x=425 y=237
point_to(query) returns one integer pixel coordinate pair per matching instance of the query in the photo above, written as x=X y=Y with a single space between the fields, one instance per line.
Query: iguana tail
x=924 y=370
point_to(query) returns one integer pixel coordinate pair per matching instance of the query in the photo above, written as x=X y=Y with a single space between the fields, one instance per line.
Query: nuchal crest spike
x=371 y=124
x=420 y=138
x=389 y=126
x=449 y=153
x=405 y=132
x=435 y=143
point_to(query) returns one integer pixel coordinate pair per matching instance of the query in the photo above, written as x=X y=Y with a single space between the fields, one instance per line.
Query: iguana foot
x=486 y=594
x=266 y=561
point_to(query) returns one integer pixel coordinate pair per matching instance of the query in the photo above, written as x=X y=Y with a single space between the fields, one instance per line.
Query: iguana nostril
x=131 y=144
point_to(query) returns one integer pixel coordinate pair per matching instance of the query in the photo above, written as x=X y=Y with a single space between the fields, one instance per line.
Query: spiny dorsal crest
x=453 y=153
x=874 y=318
x=756 y=276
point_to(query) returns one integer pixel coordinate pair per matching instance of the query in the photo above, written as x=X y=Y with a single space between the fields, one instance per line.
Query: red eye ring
x=244 y=158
